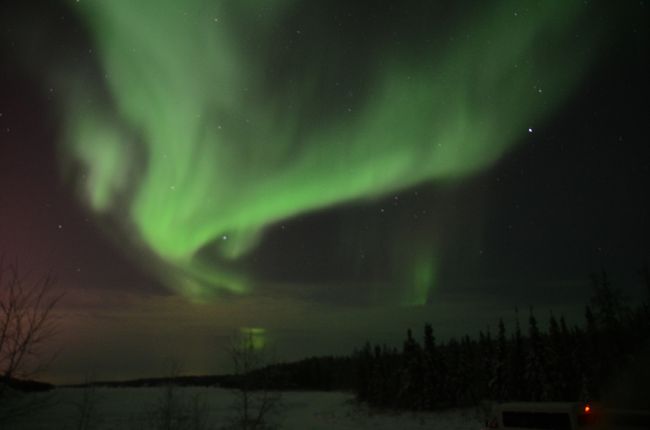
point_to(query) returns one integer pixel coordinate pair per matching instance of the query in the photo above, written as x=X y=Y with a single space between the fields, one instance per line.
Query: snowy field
x=133 y=409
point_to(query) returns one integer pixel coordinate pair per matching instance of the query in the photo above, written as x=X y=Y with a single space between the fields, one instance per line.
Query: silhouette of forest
x=562 y=363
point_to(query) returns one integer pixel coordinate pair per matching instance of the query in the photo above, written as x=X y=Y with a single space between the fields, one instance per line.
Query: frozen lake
x=135 y=409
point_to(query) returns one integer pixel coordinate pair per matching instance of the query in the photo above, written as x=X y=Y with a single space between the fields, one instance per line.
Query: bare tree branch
x=256 y=404
x=26 y=323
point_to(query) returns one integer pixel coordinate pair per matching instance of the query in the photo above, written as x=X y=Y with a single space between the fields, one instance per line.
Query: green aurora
x=204 y=145
x=252 y=337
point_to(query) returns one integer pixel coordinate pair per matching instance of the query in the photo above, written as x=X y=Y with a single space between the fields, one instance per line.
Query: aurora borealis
x=195 y=152
x=326 y=166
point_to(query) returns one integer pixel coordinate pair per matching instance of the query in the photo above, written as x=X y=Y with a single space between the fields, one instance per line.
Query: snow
x=130 y=408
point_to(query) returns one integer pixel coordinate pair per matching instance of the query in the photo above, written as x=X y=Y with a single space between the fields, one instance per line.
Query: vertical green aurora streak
x=219 y=160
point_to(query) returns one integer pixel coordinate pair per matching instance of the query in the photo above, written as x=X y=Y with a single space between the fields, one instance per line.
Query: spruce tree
x=517 y=388
x=453 y=379
x=498 y=383
x=412 y=374
x=431 y=369
x=536 y=379
x=468 y=373
x=556 y=361
x=486 y=364
x=364 y=372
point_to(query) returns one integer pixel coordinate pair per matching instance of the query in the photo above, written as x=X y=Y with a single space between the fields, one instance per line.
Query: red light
x=587 y=409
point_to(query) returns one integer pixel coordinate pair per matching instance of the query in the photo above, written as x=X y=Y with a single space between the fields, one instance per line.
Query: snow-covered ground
x=131 y=409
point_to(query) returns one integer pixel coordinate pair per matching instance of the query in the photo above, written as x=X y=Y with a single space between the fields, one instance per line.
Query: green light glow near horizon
x=253 y=337
x=194 y=153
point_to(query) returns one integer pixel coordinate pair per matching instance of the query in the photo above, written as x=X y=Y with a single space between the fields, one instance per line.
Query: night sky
x=330 y=172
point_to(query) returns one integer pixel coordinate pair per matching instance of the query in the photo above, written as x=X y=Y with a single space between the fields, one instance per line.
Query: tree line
x=561 y=363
